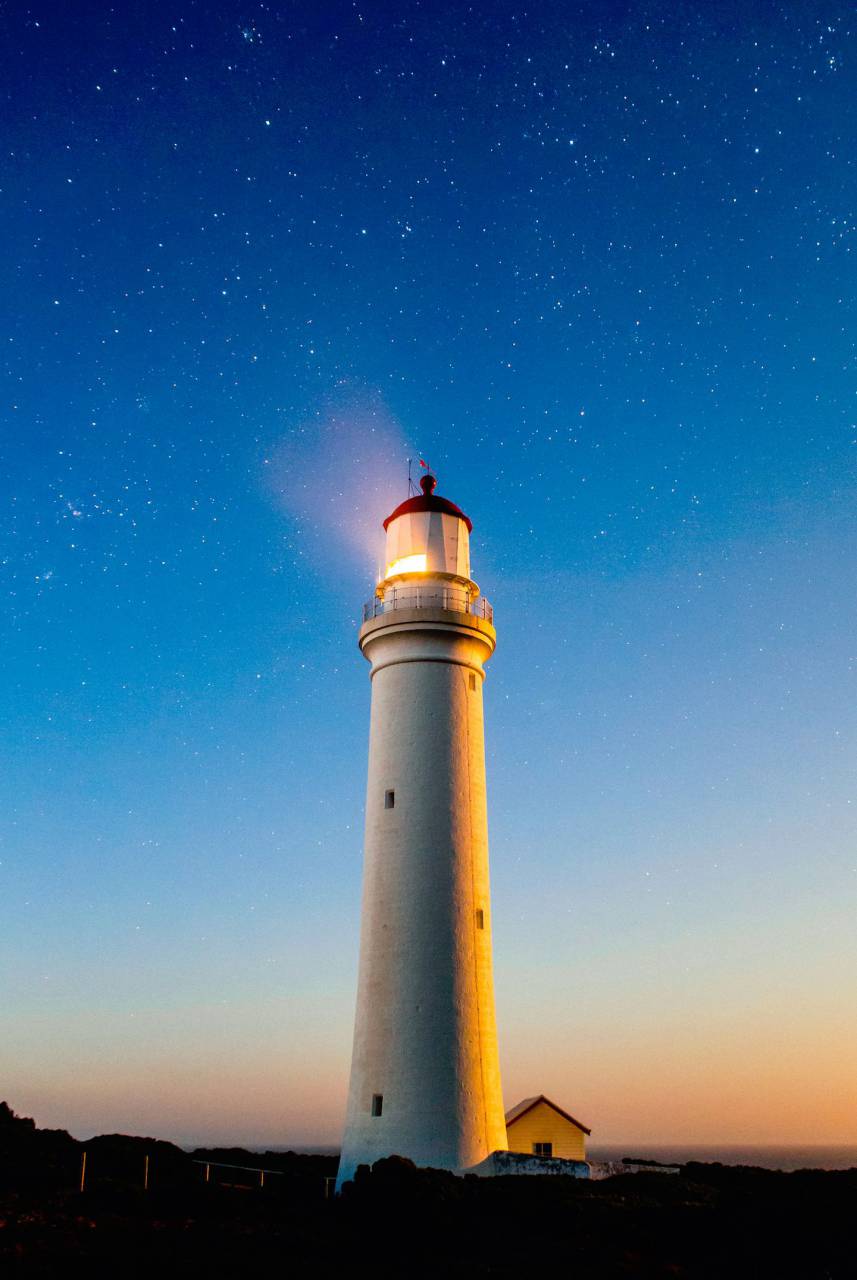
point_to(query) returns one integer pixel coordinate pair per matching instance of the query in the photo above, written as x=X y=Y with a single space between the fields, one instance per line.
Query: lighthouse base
x=498 y=1165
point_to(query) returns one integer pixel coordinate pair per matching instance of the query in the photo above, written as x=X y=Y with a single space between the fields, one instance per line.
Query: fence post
x=261 y=1179
x=146 y=1172
x=83 y=1170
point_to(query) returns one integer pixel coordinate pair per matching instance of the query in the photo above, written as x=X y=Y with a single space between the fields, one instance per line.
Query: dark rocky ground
x=711 y=1221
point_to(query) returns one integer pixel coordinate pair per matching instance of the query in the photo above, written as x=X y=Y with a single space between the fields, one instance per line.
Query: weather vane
x=412 y=488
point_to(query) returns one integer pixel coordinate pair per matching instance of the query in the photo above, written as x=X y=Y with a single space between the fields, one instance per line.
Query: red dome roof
x=428 y=501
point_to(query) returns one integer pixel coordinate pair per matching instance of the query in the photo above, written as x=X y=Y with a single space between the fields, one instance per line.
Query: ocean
x=763 y=1157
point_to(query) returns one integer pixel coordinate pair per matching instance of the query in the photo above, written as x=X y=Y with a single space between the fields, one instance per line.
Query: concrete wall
x=512 y=1163
x=425 y=1034
x=542 y=1124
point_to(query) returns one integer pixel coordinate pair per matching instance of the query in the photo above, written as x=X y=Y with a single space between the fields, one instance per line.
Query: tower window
x=480 y=918
x=389 y=803
x=377 y=1103
x=473 y=681
x=542 y=1148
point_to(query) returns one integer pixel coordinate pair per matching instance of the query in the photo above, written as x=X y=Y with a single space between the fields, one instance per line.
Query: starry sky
x=595 y=262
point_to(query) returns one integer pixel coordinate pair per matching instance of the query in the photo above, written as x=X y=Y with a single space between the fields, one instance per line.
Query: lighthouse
x=425 y=1070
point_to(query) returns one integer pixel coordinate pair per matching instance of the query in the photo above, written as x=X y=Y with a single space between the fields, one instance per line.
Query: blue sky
x=595 y=263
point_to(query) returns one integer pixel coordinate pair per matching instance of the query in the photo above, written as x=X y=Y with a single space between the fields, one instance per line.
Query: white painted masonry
x=425 y=1037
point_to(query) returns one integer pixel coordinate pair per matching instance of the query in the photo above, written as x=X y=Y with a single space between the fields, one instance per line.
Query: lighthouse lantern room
x=427 y=534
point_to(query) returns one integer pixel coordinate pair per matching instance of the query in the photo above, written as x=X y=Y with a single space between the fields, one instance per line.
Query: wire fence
x=219 y=1173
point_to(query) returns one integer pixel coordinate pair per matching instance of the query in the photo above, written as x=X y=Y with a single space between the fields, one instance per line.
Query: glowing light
x=407 y=564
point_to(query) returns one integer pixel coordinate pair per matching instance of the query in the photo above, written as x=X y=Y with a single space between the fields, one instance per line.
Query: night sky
x=595 y=262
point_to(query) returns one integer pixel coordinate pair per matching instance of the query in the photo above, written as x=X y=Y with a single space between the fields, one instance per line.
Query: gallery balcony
x=412 y=596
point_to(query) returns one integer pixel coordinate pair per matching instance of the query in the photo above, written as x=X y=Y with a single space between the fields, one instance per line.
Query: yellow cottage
x=538 y=1127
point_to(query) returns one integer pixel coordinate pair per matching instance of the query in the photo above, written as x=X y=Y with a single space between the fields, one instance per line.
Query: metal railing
x=456 y=599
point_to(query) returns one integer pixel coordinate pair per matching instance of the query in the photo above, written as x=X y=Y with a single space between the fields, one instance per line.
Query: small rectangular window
x=389 y=802
x=480 y=918
x=542 y=1148
x=472 y=681
x=377 y=1103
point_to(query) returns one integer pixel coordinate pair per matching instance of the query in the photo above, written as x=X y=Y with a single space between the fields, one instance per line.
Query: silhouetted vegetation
x=397 y=1221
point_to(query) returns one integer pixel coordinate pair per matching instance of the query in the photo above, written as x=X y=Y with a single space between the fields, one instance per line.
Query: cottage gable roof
x=521 y=1109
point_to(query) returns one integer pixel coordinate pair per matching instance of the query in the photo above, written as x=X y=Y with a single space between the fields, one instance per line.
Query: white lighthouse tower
x=425 y=1071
